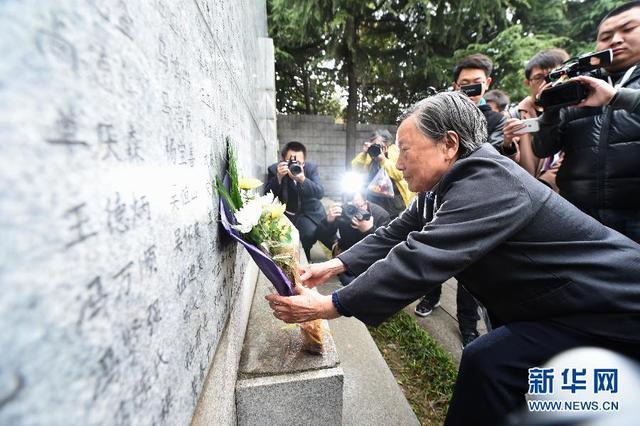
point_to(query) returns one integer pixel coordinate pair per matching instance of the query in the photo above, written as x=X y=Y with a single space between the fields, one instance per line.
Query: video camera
x=294 y=166
x=564 y=93
x=349 y=211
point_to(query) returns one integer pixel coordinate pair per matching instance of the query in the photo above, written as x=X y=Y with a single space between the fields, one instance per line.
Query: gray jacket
x=522 y=250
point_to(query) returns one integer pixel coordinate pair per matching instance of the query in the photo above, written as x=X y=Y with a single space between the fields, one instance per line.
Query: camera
x=564 y=93
x=471 y=89
x=349 y=211
x=374 y=150
x=294 y=166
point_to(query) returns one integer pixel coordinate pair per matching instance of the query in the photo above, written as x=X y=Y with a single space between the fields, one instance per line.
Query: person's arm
x=327 y=231
x=528 y=160
x=380 y=217
x=479 y=210
x=549 y=139
x=496 y=136
x=272 y=182
x=627 y=99
x=361 y=162
x=311 y=187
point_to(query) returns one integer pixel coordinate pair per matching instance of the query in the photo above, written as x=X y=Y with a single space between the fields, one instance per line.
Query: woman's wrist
x=328 y=308
x=336 y=266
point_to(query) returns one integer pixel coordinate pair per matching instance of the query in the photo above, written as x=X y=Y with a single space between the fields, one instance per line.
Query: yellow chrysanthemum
x=277 y=210
x=249 y=183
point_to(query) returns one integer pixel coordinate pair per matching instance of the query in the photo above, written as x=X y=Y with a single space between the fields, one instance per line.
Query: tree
x=385 y=54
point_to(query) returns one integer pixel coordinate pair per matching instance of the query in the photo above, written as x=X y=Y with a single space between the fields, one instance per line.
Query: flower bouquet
x=258 y=223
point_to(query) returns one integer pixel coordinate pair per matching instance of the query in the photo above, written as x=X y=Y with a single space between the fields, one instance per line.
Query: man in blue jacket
x=297 y=184
x=554 y=276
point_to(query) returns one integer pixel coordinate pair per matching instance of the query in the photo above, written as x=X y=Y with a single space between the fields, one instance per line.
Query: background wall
x=116 y=282
x=325 y=142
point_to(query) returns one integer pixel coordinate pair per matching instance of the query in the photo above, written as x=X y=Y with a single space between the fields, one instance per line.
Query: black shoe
x=426 y=306
x=468 y=336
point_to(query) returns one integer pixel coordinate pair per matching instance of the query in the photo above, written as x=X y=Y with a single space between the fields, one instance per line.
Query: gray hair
x=384 y=134
x=445 y=111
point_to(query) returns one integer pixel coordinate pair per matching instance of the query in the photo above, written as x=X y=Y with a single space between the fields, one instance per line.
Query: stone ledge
x=278 y=382
x=304 y=398
x=273 y=347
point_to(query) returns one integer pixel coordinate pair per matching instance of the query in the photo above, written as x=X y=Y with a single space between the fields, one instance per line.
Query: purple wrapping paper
x=265 y=263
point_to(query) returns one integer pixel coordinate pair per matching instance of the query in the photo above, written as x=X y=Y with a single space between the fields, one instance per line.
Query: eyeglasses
x=538 y=78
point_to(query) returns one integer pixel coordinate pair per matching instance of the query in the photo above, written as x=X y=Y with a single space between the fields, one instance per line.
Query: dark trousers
x=467 y=307
x=307 y=229
x=492 y=379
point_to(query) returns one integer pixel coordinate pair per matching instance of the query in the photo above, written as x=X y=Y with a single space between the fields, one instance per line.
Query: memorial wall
x=115 y=280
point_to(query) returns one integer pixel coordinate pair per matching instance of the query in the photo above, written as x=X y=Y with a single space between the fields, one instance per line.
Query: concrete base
x=278 y=382
x=304 y=398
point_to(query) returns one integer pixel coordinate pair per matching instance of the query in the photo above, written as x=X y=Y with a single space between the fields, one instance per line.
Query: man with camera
x=519 y=129
x=380 y=153
x=296 y=183
x=348 y=223
x=472 y=76
x=600 y=135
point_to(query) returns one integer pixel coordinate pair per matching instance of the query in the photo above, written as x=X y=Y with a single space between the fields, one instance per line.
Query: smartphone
x=530 y=126
x=471 y=89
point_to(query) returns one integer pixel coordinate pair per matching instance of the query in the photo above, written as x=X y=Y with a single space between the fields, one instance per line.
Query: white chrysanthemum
x=249 y=215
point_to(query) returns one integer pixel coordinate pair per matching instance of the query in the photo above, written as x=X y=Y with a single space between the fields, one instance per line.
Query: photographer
x=535 y=72
x=380 y=153
x=474 y=72
x=296 y=183
x=348 y=223
x=600 y=136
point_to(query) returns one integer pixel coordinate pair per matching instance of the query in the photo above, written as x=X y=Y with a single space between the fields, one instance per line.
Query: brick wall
x=326 y=143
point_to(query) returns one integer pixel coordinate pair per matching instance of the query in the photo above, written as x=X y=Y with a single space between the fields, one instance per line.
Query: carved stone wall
x=115 y=281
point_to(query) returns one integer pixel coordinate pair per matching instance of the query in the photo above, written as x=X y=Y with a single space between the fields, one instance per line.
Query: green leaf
x=219 y=186
x=234 y=187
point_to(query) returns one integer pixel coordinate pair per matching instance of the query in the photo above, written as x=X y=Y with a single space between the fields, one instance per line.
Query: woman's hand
x=315 y=274
x=307 y=305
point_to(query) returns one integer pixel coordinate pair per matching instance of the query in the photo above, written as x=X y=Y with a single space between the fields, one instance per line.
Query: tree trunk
x=307 y=90
x=352 y=83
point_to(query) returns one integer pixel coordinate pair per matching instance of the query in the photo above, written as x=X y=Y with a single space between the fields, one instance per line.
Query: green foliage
x=510 y=50
x=426 y=371
x=232 y=196
x=222 y=191
x=401 y=47
x=234 y=187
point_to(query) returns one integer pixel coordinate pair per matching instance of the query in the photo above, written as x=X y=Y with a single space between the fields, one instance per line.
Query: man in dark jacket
x=477 y=69
x=346 y=225
x=600 y=137
x=296 y=183
x=554 y=276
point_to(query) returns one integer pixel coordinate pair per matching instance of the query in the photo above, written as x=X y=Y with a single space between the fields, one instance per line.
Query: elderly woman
x=555 y=277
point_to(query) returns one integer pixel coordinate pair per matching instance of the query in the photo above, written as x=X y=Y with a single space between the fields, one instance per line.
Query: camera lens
x=295 y=169
x=374 y=150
